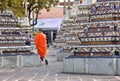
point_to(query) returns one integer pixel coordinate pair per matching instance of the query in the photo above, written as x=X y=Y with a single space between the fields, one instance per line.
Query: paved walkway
x=51 y=72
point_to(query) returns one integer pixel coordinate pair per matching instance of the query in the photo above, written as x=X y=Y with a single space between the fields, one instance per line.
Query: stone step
x=19 y=61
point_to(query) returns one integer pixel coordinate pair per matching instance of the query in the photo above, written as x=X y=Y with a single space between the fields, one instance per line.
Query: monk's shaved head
x=40 y=29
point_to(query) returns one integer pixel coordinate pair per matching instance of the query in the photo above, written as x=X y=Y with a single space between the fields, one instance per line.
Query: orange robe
x=40 y=42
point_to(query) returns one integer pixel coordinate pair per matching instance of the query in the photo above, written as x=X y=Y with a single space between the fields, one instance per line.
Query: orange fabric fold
x=40 y=43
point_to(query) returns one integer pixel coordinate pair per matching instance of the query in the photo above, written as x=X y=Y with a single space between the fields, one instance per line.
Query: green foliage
x=13 y=5
x=3 y=4
x=18 y=7
x=19 y=25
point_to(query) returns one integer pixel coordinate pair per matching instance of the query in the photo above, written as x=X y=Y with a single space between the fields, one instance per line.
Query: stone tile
x=52 y=72
x=102 y=66
x=32 y=60
x=114 y=80
x=118 y=68
x=9 y=61
x=49 y=79
x=87 y=79
x=68 y=65
x=79 y=65
x=0 y=61
x=61 y=78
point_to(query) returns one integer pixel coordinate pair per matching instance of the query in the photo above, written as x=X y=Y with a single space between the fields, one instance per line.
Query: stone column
x=74 y=10
x=87 y=2
x=26 y=20
x=51 y=37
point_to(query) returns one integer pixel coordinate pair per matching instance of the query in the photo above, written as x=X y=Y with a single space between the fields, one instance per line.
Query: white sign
x=49 y=23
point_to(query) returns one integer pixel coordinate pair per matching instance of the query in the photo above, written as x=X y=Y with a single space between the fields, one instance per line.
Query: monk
x=41 y=46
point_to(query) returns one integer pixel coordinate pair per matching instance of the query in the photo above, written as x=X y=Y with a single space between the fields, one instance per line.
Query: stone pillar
x=65 y=11
x=51 y=37
x=68 y=9
x=88 y=2
x=26 y=20
x=75 y=6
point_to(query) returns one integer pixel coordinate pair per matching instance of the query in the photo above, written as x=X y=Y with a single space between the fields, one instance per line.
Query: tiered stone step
x=13 y=51
x=104 y=65
x=99 y=49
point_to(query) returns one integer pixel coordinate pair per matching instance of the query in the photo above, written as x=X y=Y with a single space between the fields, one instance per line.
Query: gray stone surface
x=52 y=72
x=79 y=65
x=102 y=66
x=19 y=61
x=61 y=55
x=86 y=62
x=54 y=50
x=68 y=65
x=58 y=52
x=31 y=60
x=0 y=61
x=118 y=66
x=9 y=61
x=98 y=66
